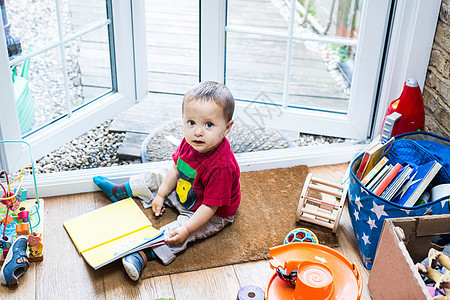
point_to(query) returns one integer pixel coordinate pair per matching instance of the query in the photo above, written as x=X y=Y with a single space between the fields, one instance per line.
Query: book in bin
x=379 y=177
x=419 y=180
x=111 y=232
x=397 y=183
x=387 y=180
x=372 y=173
x=372 y=156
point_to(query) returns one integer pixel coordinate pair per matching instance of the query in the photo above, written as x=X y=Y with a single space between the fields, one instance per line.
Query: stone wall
x=436 y=93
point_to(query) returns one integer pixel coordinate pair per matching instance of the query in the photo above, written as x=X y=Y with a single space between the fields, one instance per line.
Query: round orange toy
x=312 y=271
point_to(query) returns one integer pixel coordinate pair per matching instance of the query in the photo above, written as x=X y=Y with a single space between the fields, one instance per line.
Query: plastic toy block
x=36 y=251
x=9 y=220
x=21 y=194
x=23 y=229
x=23 y=216
x=5 y=245
x=35 y=239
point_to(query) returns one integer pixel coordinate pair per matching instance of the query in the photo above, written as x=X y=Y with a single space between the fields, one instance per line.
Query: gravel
x=94 y=149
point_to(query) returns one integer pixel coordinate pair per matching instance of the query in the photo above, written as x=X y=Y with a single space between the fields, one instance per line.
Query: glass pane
x=264 y=15
x=172 y=45
x=89 y=67
x=329 y=17
x=316 y=80
x=39 y=90
x=320 y=73
x=76 y=14
x=254 y=65
x=40 y=82
x=29 y=24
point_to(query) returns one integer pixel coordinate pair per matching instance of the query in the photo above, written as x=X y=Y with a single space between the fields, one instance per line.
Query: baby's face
x=204 y=125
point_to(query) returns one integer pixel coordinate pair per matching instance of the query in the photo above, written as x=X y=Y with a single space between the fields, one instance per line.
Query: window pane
x=265 y=15
x=33 y=24
x=78 y=14
x=317 y=81
x=172 y=45
x=255 y=64
x=89 y=67
x=39 y=92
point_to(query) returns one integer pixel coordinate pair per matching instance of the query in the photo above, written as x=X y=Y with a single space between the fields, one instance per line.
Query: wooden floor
x=64 y=275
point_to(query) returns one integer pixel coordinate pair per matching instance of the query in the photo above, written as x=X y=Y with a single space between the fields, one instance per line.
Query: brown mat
x=265 y=216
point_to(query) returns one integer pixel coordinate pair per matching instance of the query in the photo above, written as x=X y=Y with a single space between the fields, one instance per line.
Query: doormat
x=264 y=218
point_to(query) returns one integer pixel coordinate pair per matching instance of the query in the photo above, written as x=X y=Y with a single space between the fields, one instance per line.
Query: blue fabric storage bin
x=368 y=211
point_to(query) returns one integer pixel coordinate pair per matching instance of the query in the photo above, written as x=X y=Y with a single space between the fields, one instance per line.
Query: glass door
x=59 y=62
x=308 y=66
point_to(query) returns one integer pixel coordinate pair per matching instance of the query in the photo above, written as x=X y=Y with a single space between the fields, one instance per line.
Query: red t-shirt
x=210 y=178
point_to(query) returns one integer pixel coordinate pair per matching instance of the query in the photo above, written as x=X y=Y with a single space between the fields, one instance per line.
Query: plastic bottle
x=410 y=106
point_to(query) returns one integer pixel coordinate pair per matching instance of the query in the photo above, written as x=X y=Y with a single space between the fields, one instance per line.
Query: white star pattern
x=378 y=210
x=366 y=260
x=372 y=223
x=356 y=214
x=429 y=211
x=443 y=203
x=365 y=238
x=350 y=196
x=363 y=190
x=358 y=202
x=406 y=211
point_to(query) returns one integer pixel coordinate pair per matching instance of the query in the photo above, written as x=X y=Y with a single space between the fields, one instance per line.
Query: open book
x=111 y=232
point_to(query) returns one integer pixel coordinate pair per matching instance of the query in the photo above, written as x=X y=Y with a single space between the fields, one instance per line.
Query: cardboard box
x=403 y=243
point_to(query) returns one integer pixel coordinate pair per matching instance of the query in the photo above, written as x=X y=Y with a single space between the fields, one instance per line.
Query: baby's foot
x=115 y=192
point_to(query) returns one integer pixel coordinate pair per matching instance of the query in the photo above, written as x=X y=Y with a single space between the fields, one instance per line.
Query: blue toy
x=300 y=235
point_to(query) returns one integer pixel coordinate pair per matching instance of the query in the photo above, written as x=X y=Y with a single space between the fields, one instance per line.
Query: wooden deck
x=254 y=64
x=63 y=274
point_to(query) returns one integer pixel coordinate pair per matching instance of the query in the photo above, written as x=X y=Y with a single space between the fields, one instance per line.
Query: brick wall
x=436 y=93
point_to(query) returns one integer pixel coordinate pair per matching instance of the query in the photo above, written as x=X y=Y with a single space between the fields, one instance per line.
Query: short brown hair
x=212 y=91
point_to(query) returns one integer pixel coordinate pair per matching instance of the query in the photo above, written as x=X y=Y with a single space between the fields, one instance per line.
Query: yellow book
x=111 y=232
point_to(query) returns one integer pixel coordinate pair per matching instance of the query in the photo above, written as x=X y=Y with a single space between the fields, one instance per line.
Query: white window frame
x=131 y=66
x=403 y=62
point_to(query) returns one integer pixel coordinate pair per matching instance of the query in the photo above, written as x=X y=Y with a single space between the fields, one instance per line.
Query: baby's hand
x=158 y=205
x=179 y=236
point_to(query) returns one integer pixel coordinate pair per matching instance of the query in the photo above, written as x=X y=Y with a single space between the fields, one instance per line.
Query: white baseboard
x=80 y=181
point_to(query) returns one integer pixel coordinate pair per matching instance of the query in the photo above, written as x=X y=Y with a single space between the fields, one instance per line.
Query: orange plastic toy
x=321 y=273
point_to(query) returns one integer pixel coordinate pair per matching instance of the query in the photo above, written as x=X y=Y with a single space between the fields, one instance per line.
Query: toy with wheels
x=312 y=271
x=325 y=211
x=301 y=235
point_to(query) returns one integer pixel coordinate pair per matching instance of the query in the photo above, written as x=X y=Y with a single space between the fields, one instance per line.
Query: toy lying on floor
x=308 y=270
x=19 y=238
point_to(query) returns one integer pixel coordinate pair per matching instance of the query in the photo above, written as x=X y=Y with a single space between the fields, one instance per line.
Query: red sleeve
x=218 y=186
